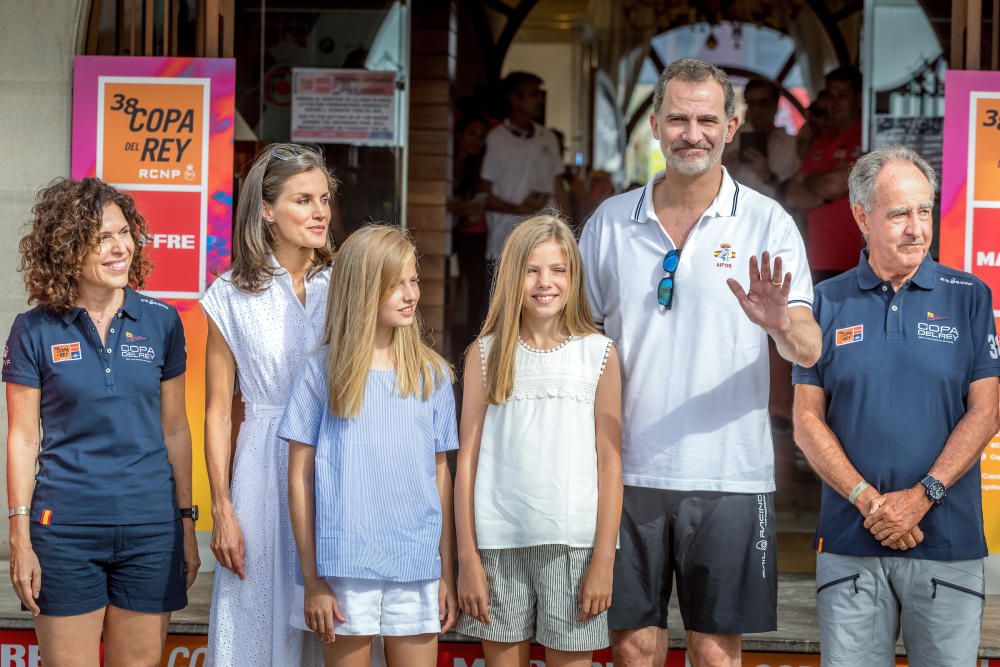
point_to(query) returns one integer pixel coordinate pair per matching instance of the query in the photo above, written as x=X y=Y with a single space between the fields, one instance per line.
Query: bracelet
x=20 y=510
x=861 y=486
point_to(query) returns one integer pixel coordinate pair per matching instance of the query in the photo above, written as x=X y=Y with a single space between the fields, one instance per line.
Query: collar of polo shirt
x=131 y=308
x=723 y=206
x=924 y=278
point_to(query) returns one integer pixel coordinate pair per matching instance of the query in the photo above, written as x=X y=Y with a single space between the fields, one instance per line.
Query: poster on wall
x=970 y=219
x=161 y=129
x=344 y=106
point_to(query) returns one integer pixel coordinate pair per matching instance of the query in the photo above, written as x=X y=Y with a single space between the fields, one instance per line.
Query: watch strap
x=857 y=490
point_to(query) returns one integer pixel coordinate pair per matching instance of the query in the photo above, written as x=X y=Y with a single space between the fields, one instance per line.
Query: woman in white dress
x=264 y=317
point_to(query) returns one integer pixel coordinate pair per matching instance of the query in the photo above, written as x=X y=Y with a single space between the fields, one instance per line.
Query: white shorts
x=372 y=607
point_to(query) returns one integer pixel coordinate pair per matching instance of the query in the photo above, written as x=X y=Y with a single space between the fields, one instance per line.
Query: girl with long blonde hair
x=265 y=315
x=538 y=485
x=369 y=421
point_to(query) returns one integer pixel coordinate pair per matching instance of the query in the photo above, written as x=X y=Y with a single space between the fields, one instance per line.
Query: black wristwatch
x=934 y=489
x=190 y=513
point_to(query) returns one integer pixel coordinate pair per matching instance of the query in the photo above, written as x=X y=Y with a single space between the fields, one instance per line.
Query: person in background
x=522 y=166
x=762 y=156
x=102 y=540
x=282 y=253
x=468 y=207
x=817 y=124
x=894 y=418
x=820 y=186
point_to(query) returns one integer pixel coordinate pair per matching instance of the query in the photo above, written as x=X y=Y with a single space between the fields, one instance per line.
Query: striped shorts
x=533 y=594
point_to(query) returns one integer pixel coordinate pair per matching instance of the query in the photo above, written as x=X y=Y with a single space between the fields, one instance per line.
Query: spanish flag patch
x=46 y=517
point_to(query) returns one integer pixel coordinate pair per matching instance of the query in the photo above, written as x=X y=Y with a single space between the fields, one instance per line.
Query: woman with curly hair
x=264 y=317
x=95 y=400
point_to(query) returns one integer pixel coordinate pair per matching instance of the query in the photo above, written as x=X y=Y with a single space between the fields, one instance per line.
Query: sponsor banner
x=347 y=106
x=19 y=648
x=970 y=224
x=162 y=130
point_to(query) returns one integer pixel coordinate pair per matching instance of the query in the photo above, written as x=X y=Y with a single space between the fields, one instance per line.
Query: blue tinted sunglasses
x=665 y=290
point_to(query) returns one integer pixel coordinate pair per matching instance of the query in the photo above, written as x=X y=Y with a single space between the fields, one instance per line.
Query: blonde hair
x=504 y=318
x=366 y=268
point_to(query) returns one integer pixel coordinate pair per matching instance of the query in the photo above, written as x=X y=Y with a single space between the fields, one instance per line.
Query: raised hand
x=766 y=304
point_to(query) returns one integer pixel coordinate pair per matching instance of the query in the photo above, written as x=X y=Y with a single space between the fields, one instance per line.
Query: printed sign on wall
x=970 y=220
x=162 y=130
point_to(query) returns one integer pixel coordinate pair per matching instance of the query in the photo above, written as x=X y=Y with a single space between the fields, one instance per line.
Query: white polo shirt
x=695 y=378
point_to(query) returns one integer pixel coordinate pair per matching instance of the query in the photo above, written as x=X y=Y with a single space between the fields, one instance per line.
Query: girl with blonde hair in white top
x=538 y=488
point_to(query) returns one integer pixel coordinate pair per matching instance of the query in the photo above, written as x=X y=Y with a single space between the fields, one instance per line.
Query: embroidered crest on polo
x=725 y=254
x=133 y=338
x=66 y=352
x=852 y=334
x=931 y=317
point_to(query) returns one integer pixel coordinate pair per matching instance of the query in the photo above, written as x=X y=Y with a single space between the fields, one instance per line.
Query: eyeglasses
x=665 y=290
x=288 y=151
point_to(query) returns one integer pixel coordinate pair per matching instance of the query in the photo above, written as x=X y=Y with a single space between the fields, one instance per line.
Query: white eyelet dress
x=270 y=335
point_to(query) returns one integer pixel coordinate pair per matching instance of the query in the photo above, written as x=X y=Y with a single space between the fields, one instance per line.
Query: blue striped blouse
x=378 y=513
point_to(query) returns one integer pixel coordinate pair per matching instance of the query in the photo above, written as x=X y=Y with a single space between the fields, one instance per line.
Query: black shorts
x=136 y=567
x=720 y=546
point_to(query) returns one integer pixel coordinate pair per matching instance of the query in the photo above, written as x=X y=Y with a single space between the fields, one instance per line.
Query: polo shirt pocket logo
x=132 y=351
x=848 y=335
x=66 y=352
x=725 y=255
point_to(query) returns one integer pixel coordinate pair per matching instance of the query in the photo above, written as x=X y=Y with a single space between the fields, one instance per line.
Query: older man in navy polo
x=894 y=417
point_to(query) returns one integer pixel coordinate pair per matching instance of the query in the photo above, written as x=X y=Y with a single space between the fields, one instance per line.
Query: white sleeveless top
x=536 y=482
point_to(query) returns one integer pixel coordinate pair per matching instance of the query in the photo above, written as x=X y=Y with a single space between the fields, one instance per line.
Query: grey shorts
x=862 y=602
x=533 y=594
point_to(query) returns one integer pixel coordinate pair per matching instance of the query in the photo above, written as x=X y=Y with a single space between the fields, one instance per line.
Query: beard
x=695 y=165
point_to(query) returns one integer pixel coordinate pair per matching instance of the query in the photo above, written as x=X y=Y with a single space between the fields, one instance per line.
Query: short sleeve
x=986 y=362
x=175 y=355
x=445 y=427
x=215 y=305
x=590 y=254
x=20 y=356
x=812 y=375
x=787 y=244
x=557 y=161
x=307 y=404
x=492 y=168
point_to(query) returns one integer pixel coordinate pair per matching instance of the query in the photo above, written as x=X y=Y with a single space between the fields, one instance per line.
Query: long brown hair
x=369 y=263
x=253 y=238
x=65 y=228
x=503 y=321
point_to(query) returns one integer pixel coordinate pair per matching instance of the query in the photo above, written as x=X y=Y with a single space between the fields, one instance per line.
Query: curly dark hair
x=65 y=227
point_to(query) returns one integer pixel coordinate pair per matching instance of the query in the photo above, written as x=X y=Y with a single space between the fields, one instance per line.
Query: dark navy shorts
x=719 y=546
x=85 y=567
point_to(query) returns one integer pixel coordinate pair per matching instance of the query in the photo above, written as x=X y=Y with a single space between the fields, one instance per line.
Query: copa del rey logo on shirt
x=133 y=350
x=725 y=256
x=938 y=329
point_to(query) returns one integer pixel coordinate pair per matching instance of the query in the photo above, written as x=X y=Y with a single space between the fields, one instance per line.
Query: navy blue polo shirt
x=103 y=459
x=896 y=369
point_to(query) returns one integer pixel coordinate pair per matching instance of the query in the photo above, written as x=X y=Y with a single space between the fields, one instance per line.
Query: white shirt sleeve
x=590 y=248
x=787 y=244
x=492 y=168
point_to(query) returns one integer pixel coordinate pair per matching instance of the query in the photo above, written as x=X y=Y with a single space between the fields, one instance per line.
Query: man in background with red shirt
x=820 y=187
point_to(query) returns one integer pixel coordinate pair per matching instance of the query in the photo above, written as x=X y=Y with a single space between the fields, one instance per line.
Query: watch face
x=936 y=490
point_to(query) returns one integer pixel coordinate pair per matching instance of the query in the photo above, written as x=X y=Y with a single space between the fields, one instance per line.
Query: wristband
x=861 y=486
x=20 y=510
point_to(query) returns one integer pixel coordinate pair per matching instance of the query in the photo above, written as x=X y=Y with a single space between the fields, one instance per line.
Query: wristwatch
x=190 y=513
x=934 y=489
